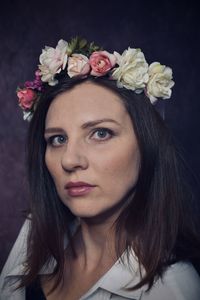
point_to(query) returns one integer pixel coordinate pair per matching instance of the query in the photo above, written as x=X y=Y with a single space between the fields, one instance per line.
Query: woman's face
x=92 y=153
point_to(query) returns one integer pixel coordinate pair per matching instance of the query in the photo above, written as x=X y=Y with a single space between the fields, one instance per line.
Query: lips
x=78 y=188
x=77 y=184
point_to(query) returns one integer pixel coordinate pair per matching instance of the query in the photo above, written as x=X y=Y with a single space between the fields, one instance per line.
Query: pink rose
x=26 y=98
x=101 y=62
x=78 y=64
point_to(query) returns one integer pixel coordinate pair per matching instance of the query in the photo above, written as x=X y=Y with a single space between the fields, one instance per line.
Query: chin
x=87 y=208
x=95 y=215
x=85 y=213
x=82 y=206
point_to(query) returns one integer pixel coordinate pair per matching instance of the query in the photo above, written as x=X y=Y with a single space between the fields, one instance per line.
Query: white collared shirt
x=179 y=282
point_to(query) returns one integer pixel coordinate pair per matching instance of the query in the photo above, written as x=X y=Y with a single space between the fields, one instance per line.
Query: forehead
x=86 y=101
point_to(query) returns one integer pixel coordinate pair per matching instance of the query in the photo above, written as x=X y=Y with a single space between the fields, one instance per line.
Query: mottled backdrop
x=166 y=31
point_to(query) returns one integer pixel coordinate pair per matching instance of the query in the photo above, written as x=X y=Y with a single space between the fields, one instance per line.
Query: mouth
x=76 y=189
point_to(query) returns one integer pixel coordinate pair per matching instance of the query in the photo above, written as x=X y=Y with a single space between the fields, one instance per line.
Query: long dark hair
x=159 y=223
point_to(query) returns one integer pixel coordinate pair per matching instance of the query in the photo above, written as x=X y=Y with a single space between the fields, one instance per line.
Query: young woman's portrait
x=111 y=212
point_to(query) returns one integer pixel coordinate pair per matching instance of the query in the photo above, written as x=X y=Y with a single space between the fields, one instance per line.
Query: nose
x=74 y=157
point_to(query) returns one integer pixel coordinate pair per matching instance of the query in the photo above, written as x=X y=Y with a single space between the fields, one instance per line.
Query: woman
x=110 y=215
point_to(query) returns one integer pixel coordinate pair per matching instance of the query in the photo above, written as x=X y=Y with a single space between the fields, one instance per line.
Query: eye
x=56 y=140
x=102 y=134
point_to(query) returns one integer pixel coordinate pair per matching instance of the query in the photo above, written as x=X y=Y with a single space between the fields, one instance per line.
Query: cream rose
x=52 y=61
x=132 y=72
x=78 y=64
x=160 y=82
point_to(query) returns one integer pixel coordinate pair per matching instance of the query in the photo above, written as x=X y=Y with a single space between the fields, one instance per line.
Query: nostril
x=70 y=164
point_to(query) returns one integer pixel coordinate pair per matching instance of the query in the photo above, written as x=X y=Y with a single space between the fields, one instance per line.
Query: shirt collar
x=123 y=274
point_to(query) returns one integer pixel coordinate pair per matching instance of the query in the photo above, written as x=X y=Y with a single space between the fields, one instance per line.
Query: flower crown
x=80 y=58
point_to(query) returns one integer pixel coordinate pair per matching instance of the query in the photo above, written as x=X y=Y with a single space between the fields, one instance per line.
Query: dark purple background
x=166 y=31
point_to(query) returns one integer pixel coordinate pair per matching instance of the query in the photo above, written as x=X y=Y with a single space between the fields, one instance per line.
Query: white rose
x=160 y=82
x=52 y=61
x=78 y=64
x=132 y=72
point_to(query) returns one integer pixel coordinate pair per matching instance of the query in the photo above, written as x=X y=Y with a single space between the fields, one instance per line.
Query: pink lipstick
x=79 y=188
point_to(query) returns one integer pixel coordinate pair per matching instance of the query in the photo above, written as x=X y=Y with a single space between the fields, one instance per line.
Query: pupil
x=102 y=133
x=61 y=139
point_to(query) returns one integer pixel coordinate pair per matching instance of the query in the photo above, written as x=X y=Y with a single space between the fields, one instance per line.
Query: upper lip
x=78 y=183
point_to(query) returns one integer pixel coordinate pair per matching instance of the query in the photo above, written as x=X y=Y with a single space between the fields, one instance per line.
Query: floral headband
x=80 y=58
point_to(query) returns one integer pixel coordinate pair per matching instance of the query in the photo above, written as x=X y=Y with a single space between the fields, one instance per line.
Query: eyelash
x=51 y=139
x=109 y=131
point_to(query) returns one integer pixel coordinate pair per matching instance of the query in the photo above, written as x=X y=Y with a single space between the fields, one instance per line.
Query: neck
x=95 y=243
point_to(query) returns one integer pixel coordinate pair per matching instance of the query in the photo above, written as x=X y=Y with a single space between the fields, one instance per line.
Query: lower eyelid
x=109 y=134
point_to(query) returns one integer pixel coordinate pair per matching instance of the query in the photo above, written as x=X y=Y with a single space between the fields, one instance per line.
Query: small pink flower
x=78 y=64
x=27 y=97
x=101 y=62
x=37 y=74
x=36 y=84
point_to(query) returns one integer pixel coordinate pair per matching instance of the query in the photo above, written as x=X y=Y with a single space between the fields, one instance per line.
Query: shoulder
x=14 y=267
x=19 y=250
x=179 y=282
x=15 y=263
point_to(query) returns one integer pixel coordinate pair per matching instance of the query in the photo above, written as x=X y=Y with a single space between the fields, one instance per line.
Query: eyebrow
x=84 y=126
x=96 y=122
x=53 y=130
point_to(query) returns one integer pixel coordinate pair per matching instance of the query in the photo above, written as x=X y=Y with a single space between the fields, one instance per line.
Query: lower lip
x=79 y=190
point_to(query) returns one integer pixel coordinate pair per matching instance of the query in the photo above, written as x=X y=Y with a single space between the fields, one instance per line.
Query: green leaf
x=72 y=45
x=81 y=46
x=82 y=43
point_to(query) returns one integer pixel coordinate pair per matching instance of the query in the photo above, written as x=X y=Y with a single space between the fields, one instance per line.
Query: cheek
x=120 y=166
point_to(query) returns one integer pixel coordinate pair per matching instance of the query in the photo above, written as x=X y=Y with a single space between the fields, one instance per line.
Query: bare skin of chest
x=77 y=281
x=95 y=255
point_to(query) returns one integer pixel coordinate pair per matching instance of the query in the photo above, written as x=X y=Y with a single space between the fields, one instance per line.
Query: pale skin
x=90 y=138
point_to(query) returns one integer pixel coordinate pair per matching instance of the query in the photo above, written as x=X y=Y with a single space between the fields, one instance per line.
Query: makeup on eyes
x=59 y=132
